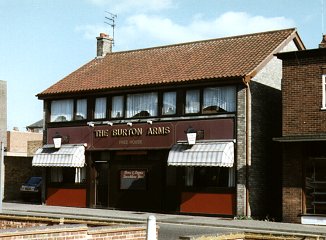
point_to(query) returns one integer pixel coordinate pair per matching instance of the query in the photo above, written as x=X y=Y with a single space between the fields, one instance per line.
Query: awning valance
x=68 y=155
x=208 y=154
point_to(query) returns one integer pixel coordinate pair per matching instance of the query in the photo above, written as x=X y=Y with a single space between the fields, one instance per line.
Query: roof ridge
x=198 y=41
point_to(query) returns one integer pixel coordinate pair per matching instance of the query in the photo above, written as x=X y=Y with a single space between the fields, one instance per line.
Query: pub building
x=122 y=123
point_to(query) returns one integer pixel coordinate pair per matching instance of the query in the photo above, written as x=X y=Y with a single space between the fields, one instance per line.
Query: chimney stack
x=323 y=42
x=104 y=45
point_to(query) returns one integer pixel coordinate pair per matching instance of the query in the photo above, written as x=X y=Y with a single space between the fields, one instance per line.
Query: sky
x=42 y=41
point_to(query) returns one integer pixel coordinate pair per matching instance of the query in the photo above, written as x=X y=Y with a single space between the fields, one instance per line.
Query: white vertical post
x=151 y=228
x=2 y=153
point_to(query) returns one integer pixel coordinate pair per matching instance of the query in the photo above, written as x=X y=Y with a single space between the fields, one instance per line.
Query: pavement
x=141 y=217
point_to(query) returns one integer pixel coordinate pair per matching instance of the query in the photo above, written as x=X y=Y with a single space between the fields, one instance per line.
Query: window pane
x=56 y=174
x=141 y=105
x=192 y=101
x=61 y=110
x=219 y=99
x=169 y=103
x=117 y=107
x=211 y=177
x=133 y=179
x=324 y=91
x=100 y=108
x=81 y=112
x=315 y=185
x=80 y=175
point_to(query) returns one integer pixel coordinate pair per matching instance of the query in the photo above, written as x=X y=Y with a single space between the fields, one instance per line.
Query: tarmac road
x=170 y=231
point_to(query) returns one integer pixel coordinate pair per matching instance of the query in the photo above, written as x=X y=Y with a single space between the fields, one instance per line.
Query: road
x=169 y=231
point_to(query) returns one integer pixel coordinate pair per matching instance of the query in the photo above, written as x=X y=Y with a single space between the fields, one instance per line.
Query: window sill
x=323 y=109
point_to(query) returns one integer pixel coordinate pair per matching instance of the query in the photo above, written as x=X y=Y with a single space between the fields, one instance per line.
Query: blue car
x=31 y=189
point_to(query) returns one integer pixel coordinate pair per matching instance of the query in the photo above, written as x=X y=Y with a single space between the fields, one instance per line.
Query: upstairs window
x=62 y=110
x=324 y=92
x=219 y=99
x=169 y=103
x=100 y=108
x=117 y=107
x=142 y=105
x=192 y=101
x=81 y=109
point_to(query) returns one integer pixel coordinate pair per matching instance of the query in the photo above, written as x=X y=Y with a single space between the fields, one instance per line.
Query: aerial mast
x=111 y=22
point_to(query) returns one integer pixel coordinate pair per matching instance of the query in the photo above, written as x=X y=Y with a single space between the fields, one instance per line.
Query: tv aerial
x=110 y=20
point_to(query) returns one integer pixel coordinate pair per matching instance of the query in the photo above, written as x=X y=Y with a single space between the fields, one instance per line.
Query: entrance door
x=137 y=183
x=101 y=184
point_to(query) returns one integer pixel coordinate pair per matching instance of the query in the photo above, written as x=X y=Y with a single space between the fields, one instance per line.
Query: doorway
x=101 y=184
x=137 y=181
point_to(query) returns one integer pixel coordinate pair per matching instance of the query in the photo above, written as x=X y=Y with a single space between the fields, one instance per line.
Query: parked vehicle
x=31 y=189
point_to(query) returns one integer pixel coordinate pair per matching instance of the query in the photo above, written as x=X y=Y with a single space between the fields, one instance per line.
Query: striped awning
x=68 y=155
x=208 y=154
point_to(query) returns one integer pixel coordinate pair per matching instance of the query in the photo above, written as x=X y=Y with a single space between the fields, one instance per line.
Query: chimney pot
x=323 y=42
x=104 y=45
x=102 y=35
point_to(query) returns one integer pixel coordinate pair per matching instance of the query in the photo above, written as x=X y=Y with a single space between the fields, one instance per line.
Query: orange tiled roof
x=210 y=59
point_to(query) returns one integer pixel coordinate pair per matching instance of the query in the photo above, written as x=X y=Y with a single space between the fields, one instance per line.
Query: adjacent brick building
x=304 y=135
x=127 y=114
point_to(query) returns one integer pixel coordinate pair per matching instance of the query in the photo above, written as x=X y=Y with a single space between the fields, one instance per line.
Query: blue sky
x=41 y=41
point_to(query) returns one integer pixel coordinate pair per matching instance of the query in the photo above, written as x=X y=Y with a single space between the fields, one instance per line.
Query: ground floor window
x=67 y=175
x=315 y=186
x=201 y=177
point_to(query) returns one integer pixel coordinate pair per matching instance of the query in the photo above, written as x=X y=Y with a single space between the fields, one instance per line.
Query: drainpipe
x=246 y=81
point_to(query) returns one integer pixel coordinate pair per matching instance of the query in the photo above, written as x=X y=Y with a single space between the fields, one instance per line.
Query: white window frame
x=324 y=92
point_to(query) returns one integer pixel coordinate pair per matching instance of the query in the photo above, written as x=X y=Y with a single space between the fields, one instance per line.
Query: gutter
x=246 y=80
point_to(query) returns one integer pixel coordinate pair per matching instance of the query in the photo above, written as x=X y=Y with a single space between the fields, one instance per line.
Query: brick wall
x=292 y=182
x=32 y=146
x=77 y=231
x=264 y=170
x=302 y=96
x=302 y=115
x=18 y=141
x=241 y=152
x=17 y=171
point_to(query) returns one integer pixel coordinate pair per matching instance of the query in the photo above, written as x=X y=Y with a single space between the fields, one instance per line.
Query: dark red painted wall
x=210 y=203
x=66 y=197
x=174 y=131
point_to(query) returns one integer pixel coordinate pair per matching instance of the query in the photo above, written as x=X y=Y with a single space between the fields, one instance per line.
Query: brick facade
x=302 y=96
x=303 y=125
x=292 y=182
